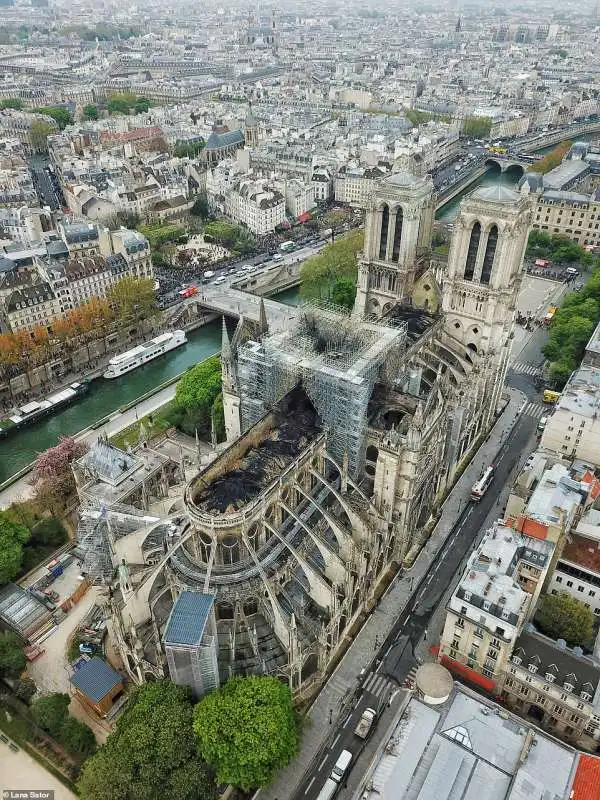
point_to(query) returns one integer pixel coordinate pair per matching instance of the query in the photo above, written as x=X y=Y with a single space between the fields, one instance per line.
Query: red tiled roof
x=586 y=785
x=531 y=527
x=582 y=551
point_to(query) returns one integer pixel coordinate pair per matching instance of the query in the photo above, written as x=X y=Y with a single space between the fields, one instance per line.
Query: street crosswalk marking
x=378 y=685
x=535 y=410
x=523 y=368
x=412 y=674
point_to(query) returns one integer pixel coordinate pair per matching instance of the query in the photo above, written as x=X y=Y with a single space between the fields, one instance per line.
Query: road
x=46 y=185
x=395 y=659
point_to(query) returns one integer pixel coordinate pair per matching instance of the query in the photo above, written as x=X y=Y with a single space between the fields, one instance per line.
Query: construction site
x=344 y=433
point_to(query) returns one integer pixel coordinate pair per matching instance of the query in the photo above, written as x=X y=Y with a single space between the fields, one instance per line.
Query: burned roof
x=294 y=424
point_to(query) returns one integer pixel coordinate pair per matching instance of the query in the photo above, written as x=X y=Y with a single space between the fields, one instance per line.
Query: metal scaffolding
x=336 y=358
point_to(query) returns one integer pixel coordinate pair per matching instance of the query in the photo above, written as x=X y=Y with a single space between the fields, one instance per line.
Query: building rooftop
x=565 y=174
x=95 y=679
x=188 y=618
x=496 y=194
x=471 y=749
x=570 y=667
x=489 y=582
x=586 y=785
x=581 y=395
x=583 y=552
x=21 y=611
x=556 y=498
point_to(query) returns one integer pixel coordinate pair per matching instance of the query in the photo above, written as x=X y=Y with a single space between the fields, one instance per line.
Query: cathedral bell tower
x=482 y=283
x=398 y=232
x=231 y=395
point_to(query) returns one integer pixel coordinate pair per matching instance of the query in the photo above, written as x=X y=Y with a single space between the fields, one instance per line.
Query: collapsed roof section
x=337 y=358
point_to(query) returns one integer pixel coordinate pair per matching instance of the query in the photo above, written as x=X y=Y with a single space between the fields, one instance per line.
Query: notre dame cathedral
x=344 y=434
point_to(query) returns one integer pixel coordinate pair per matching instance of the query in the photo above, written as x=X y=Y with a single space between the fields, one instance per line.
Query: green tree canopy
x=50 y=711
x=12 y=657
x=343 y=293
x=12 y=102
x=39 y=134
x=200 y=207
x=90 y=112
x=246 y=730
x=229 y=235
x=159 y=233
x=24 y=689
x=477 y=127
x=76 y=737
x=189 y=149
x=132 y=298
x=571 y=328
x=561 y=616
x=151 y=754
x=61 y=115
x=13 y=536
x=127 y=103
x=320 y=273
x=196 y=396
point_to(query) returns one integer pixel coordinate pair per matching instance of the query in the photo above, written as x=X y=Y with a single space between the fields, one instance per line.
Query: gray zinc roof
x=188 y=619
x=95 y=679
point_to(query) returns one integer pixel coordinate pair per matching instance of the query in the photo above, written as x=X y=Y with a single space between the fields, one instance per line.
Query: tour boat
x=38 y=409
x=143 y=353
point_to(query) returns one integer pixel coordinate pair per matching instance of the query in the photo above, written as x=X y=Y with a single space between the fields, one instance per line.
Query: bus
x=287 y=247
x=550 y=396
x=482 y=485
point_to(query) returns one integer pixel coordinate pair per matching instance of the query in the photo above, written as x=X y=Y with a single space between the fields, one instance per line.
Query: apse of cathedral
x=344 y=434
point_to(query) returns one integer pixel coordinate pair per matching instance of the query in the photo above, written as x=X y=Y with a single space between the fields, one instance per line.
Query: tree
x=50 y=711
x=246 y=730
x=90 y=112
x=76 y=737
x=133 y=298
x=196 y=393
x=200 y=207
x=55 y=461
x=343 y=292
x=13 y=536
x=39 y=133
x=320 y=273
x=561 y=616
x=552 y=159
x=151 y=754
x=59 y=114
x=127 y=103
x=477 y=127
x=12 y=102
x=12 y=657
x=49 y=531
x=24 y=689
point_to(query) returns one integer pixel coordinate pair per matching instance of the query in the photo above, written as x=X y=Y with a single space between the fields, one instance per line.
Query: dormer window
x=486 y=605
x=550 y=677
x=516 y=659
x=569 y=687
x=532 y=668
x=586 y=696
x=467 y=595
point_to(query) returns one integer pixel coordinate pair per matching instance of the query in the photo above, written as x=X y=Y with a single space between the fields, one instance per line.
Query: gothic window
x=490 y=252
x=385 y=223
x=472 y=251
x=397 y=235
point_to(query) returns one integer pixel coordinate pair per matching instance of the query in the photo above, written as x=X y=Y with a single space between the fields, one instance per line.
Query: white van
x=341 y=765
x=328 y=790
x=221 y=279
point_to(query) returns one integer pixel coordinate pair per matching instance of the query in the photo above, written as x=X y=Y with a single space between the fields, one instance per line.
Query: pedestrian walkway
x=535 y=410
x=344 y=681
x=524 y=368
x=379 y=686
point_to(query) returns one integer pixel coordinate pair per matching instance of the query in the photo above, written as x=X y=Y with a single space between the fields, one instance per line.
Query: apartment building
x=299 y=197
x=569 y=213
x=31 y=307
x=573 y=429
x=488 y=608
x=554 y=685
x=133 y=247
x=82 y=238
x=322 y=184
x=256 y=205
x=354 y=185
x=22 y=125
